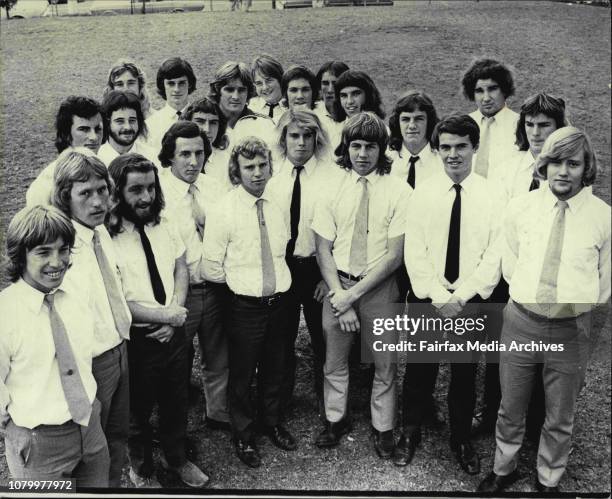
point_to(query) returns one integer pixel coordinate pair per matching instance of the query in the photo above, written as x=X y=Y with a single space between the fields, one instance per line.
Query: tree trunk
x=7 y=8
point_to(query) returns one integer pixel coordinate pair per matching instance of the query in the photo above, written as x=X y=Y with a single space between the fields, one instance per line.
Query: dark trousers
x=305 y=275
x=158 y=374
x=258 y=337
x=419 y=382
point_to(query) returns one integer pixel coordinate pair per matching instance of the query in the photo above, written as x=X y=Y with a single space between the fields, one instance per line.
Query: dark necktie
x=451 y=270
x=412 y=170
x=535 y=184
x=156 y=282
x=271 y=110
x=296 y=197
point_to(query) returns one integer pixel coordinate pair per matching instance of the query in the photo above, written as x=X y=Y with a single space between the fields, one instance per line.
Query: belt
x=302 y=259
x=200 y=285
x=542 y=318
x=262 y=300
x=144 y=329
x=350 y=277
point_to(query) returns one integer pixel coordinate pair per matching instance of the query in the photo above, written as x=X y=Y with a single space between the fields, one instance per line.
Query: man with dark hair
x=359 y=226
x=244 y=246
x=125 y=124
x=327 y=76
x=411 y=123
x=450 y=258
x=78 y=123
x=82 y=192
x=303 y=174
x=557 y=261
x=155 y=278
x=190 y=196
x=355 y=93
x=175 y=82
x=489 y=83
x=49 y=416
x=299 y=88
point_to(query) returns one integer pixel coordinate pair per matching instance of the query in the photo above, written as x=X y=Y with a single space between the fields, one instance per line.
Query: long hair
x=208 y=106
x=334 y=67
x=119 y=169
x=227 y=72
x=296 y=73
x=116 y=100
x=249 y=147
x=117 y=70
x=173 y=68
x=364 y=126
x=30 y=227
x=359 y=79
x=411 y=102
x=484 y=69
x=185 y=130
x=76 y=165
x=303 y=119
x=268 y=66
x=546 y=104
x=562 y=144
x=83 y=107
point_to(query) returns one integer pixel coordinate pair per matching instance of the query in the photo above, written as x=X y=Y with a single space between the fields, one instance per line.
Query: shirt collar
x=178 y=185
x=422 y=154
x=249 y=199
x=503 y=116
x=466 y=183
x=372 y=177
x=309 y=166
x=32 y=297
x=574 y=203
x=85 y=234
x=169 y=111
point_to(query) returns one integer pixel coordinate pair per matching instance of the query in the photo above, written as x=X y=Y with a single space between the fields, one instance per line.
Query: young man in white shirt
x=451 y=235
x=175 y=82
x=489 y=83
x=190 y=196
x=557 y=261
x=125 y=124
x=155 y=278
x=244 y=245
x=49 y=416
x=82 y=191
x=78 y=123
x=304 y=174
x=267 y=74
x=359 y=230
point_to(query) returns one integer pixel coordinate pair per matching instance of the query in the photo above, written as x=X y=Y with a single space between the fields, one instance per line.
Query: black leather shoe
x=215 y=424
x=467 y=458
x=280 y=437
x=384 y=443
x=496 y=483
x=545 y=489
x=405 y=449
x=248 y=453
x=330 y=436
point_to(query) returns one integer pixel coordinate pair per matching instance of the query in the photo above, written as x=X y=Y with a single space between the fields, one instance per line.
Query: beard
x=129 y=213
x=123 y=140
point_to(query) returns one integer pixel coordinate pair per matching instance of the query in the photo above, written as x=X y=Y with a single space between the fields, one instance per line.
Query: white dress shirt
x=107 y=152
x=428 y=163
x=84 y=279
x=313 y=181
x=335 y=215
x=217 y=167
x=426 y=241
x=30 y=386
x=158 y=124
x=584 y=271
x=167 y=247
x=518 y=174
x=232 y=244
x=179 y=210
x=259 y=105
x=502 y=138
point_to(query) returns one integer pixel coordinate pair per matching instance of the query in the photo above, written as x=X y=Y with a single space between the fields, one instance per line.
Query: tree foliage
x=7 y=5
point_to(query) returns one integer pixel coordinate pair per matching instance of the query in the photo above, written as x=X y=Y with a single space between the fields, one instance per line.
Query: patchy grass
x=560 y=48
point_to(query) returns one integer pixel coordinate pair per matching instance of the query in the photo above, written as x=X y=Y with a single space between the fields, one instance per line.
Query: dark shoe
x=544 y=489
x=214 y=424
x=330 y=436
x=189 y=473
x=280 y=437
x=496 y=483
x=467 y=458
x=248 y=453
x=405 y=449
x=384 y=443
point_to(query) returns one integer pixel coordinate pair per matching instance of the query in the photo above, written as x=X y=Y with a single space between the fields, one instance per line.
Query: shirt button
x=69 y=372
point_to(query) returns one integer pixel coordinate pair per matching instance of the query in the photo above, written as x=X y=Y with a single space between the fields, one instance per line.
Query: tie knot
x=259 y=202
x=49 y=299
x=413 y=159
x=193 y=189
x=178 y=113
x=298 y=169
x=96 y=237
x=562 y=205
x=457 y=188
x=487 y=120
x=363 y=180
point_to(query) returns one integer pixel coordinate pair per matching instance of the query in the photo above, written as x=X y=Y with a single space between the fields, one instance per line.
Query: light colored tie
x=267 y=263
x=114 y=295
x=547 y=287
x=74 y=391
x=482 y=157
x=196 y=210
x=358 y=257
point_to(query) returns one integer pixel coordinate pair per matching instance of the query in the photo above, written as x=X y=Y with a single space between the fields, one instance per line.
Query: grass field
x=563 y=49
